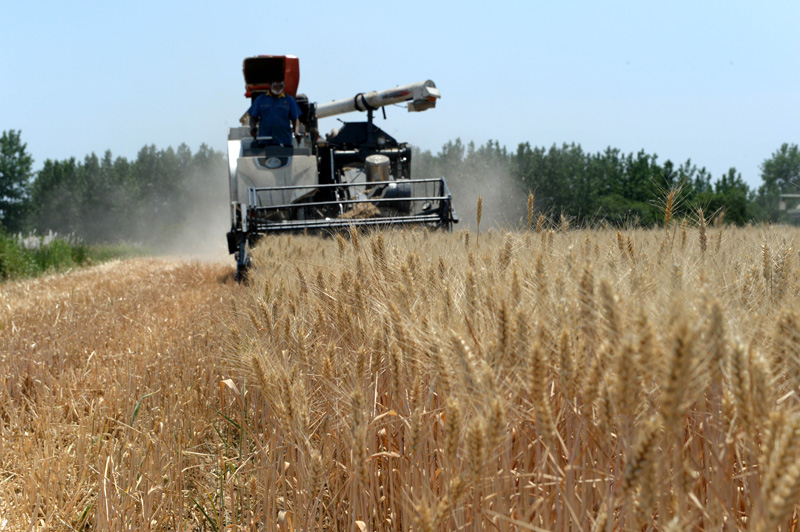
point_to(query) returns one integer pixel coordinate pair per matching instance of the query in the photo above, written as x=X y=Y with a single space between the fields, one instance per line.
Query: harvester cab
x=356 y=176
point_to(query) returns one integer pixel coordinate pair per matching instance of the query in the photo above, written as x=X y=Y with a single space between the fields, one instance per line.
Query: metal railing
x=296 y=207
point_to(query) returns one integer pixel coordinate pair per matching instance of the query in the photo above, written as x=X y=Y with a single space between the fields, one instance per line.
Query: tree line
x=103 y=199
x=615 y=187
x=108 y=199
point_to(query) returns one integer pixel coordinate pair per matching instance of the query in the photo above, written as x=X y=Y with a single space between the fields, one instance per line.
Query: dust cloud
x=504 y=200
x=196 y=228
x=166 y=202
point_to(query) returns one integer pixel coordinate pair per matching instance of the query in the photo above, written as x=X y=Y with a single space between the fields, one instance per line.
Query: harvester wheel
x=243 y=262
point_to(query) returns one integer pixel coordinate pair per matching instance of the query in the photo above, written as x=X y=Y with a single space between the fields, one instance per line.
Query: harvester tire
x=243 y=262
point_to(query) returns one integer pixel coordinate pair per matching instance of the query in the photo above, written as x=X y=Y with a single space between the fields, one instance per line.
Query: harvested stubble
x=564 y=380
x=108 y=374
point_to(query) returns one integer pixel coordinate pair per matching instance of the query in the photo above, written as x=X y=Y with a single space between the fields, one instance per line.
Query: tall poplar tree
x=15 y=176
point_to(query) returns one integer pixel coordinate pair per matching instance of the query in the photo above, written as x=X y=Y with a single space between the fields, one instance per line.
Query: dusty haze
x=202 y=220
x=504 y=199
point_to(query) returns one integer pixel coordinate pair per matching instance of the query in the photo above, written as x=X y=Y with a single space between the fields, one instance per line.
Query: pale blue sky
x=713 y=81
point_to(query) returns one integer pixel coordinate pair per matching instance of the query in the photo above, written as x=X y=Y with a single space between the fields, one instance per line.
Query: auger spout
x=420 y=97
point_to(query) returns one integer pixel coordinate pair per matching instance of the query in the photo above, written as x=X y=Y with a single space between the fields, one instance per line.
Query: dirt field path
x=105 y=379
x=121 y=305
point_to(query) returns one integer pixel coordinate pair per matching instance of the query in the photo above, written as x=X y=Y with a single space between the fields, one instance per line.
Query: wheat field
x=540 y=379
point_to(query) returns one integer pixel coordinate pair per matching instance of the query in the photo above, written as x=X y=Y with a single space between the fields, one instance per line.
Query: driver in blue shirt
x=275 y=115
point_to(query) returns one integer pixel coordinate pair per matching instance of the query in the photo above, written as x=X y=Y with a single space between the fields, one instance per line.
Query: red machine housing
x=262 y=70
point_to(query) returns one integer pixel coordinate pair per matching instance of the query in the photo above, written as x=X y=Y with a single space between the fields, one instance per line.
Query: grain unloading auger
x=357 y=176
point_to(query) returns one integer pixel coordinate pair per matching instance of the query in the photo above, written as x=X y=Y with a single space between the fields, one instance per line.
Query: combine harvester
x=357 y=176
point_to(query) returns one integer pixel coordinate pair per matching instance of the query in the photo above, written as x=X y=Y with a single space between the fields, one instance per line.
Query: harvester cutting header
x=356 y=176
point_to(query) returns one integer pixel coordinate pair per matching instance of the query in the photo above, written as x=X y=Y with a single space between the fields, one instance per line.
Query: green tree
x=57 y=197
x=729 y=196
x=451 y=159
x=15 y=176
x=424 y=164
x=103 y=198
x=733 y=196
x=780 y=174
